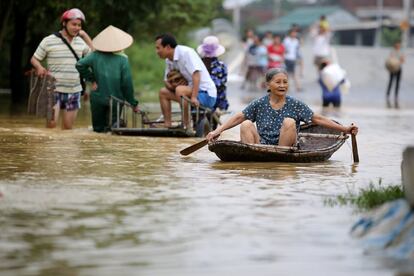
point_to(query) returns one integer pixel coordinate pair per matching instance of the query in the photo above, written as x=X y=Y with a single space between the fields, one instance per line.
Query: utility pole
x=405 y=24
x=380 y=11
x=277 y=7
x=236 y=19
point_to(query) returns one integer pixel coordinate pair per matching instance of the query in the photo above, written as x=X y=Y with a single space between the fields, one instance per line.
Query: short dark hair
x=167 y=39
x=274 y=71
x=322 y=65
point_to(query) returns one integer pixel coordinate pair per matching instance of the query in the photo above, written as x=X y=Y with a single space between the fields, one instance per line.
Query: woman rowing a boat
x=277 y=116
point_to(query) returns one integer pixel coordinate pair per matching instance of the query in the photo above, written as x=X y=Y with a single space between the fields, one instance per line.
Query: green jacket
x=112 y=74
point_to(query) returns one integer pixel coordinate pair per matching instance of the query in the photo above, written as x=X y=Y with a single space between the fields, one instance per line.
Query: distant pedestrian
x=209 y=51
x=323 y=22
x=321 y=44
x=256 y=63
x=276 y=53
x=248 y=39
x=267 y=39
x=109 y=71
x=292 y=44
x=61 y=51
x=394 y=65
x=331 y=94
x=299 y=60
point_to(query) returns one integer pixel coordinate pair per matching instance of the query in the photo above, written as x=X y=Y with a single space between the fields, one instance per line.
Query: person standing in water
x=109 y=71
x=61 y=65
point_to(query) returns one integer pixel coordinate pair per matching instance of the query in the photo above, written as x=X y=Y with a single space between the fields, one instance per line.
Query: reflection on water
x=80 y=203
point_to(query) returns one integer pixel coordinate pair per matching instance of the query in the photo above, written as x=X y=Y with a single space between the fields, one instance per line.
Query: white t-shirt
x=187 y=61
x=291 y=48
x=321 y=47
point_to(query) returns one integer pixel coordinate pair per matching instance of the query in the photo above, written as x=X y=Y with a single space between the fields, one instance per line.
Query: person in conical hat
x=107 y=68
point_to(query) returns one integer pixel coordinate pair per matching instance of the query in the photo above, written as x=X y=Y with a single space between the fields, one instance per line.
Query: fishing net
x=175 y=78
x=41 y=97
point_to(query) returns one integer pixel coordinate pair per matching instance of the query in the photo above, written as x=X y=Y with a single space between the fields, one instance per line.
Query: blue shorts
x=290 y=65
x=68 y=101
x=206 y=100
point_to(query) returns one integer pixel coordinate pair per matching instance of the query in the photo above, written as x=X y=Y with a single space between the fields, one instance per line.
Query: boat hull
x=315 y=144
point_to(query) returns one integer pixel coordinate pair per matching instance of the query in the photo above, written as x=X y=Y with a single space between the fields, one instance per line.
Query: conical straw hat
x=112 y=39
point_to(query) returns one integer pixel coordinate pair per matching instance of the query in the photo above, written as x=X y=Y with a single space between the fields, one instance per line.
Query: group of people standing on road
x=269 y=52
x=286 y=53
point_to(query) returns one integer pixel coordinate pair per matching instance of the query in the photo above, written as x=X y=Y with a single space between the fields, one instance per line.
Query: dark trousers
x=396 y=76
x=100 y=116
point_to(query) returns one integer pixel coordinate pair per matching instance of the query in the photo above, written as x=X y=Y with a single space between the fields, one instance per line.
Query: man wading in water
x=61 y=60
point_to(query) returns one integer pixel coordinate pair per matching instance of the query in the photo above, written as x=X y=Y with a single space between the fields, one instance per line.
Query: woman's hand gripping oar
x=354 y=144
x=199 y=145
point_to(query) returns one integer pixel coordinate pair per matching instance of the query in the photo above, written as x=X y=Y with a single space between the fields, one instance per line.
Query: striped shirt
x=61 y=62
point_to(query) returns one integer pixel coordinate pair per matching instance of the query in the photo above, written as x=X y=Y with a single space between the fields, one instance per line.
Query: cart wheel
x=203 y=127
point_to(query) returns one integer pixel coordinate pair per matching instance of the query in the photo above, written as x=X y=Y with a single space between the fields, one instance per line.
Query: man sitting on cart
x=195 y=82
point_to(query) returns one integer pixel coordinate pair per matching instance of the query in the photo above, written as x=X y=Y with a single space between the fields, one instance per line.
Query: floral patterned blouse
x=269 y=120
x=218 y=74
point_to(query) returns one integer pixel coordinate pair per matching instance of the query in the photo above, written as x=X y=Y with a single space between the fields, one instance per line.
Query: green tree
x=390 y=36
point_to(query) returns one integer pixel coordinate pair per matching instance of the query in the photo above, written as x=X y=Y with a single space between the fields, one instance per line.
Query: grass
x=147 y=71
x=368 y=198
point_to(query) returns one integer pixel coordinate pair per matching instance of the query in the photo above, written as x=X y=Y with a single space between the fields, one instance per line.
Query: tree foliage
x=390 y=36
x=24 y=23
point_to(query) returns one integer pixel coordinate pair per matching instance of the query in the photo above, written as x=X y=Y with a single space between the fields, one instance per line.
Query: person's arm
x=235 y=120
x=328 y=123
x=169 y=86
x=83 y=66
x=86 y=38
x=402 y=58
x=196 y=85
x=40 y=70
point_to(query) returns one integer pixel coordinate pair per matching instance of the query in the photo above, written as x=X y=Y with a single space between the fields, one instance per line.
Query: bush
x=370 y=197
x=147 y=70
x=390 y=36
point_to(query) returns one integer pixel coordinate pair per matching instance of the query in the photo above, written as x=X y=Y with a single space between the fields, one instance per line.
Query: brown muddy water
x=80 y=203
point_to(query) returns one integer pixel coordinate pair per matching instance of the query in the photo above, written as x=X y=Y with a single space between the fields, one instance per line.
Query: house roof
x=306 y=16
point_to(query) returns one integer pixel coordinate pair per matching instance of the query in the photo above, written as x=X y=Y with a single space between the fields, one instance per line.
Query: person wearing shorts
x=198 y=85
x=291 y=44
x=61 y=65
x=68 y=101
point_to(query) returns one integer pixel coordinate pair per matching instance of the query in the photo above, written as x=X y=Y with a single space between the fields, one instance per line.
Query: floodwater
x=81 y=203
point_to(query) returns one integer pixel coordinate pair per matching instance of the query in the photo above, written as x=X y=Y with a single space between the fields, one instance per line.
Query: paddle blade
x=354 y=148
x=194 y=147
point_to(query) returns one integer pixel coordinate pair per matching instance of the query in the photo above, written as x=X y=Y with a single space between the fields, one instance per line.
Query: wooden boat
x=153 y=131
x=139 y=124
x=315 y=144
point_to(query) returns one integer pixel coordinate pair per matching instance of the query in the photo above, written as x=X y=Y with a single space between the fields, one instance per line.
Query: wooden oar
x=194 y=147
x=354 y=148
